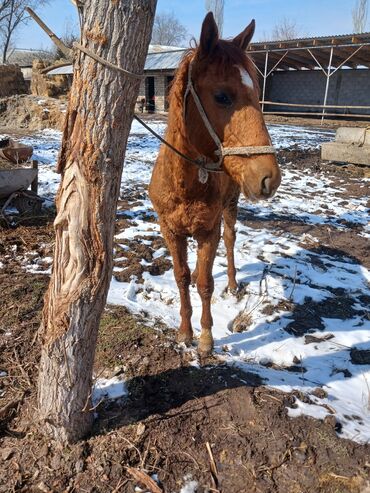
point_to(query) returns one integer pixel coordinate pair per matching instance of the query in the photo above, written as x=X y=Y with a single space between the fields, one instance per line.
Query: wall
x=160 y=91
x=11 y=81
x=346 y=87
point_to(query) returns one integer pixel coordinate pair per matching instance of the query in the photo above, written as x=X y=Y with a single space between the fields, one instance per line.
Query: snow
x=279 y=271
x=108 y=389
x=190 y=486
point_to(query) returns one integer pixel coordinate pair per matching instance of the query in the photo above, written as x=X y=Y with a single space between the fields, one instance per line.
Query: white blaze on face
x=246 y=78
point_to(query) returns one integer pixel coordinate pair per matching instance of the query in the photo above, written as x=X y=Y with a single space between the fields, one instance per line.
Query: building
x=25 y=57
x=323 y=76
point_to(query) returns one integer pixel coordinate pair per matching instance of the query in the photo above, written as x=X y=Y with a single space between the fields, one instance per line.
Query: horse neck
x=176 y=133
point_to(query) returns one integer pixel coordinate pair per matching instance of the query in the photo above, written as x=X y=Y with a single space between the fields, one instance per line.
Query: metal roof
x=25 y=57
x=64 y=70
x=308 y=53
x=312 y=41
x=166 y=60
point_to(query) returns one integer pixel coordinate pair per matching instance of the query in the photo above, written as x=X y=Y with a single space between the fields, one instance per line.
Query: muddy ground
x=213 y=424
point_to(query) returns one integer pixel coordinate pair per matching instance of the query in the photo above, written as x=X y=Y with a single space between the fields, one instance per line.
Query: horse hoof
x=239 y=290
x=205 y=352
x=205 y=346
x=185 y=338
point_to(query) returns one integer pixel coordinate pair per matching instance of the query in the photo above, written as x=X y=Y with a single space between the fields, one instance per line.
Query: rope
x=110 y=65
x=198 y=162
x=247 y=151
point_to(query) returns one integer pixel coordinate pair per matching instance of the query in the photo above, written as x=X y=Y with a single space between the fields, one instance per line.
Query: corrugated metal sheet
x=24 y=57
x=66 y=70
x=339 y=38
x=166 y=60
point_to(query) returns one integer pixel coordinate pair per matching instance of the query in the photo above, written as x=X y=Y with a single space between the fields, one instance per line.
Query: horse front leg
x=207 y=247
x=177 y=246
x=229 y=214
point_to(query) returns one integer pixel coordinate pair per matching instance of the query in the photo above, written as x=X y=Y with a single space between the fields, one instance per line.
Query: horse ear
x=244 y=38
x=209 y=35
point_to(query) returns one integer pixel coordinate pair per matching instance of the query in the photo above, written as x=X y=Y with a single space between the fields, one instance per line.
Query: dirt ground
x=215 y=424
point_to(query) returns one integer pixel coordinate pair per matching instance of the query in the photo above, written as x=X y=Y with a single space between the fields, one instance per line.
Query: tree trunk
x=91 y=159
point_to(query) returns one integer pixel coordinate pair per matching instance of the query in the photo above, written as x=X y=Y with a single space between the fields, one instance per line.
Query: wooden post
x=264 y=80
x=97 y=125
x=59 y=43
x=328 y=74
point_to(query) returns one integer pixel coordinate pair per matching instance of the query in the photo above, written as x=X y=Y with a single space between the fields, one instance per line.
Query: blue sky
x=313 y=17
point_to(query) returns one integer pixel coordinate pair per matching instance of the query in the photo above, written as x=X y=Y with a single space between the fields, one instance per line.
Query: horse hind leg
x=177 y=246
x=229 y=215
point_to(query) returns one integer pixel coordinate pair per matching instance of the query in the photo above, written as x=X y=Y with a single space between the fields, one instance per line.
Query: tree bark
x=95 y=135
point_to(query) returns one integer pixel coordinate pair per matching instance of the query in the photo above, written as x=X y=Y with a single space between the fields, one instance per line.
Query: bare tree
x=359 y=16
x=168 y=30
x=285 y=29
x=4 y=4
x=217 y=7
x=98 y=120
x=13 y=15
x=71 y=34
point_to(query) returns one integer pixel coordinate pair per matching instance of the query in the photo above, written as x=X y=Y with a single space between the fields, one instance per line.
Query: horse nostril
x=266 y=184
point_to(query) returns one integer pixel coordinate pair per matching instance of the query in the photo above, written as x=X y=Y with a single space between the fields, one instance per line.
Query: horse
x=217 y=146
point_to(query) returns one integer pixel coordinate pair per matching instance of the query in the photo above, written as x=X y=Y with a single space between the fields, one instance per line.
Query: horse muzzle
x=260 y=178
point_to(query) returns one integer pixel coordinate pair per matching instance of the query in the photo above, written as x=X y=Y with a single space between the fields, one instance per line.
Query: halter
x=221 y=152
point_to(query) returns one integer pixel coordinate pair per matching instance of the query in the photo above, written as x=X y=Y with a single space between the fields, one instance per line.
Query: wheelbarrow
x=13 y=190
x=15 y=179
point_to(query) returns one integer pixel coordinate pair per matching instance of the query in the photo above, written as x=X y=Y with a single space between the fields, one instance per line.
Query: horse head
x=224 y=81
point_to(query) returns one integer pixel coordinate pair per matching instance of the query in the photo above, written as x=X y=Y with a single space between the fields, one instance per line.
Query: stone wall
x=346 y=87
x=160 y=92
x=11 y=81
x=42 y=85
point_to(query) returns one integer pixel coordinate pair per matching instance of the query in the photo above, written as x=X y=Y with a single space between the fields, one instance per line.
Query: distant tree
x=71 y=34
x=359 y=16
x=168 y=30
x=4 y=4
x=217 y=7
x=11 y=17
x=285 y=29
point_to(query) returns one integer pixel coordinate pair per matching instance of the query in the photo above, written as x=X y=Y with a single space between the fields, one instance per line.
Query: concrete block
x=345 y=153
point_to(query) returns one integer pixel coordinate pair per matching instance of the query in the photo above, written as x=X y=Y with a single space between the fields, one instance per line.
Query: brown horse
x=214 y=113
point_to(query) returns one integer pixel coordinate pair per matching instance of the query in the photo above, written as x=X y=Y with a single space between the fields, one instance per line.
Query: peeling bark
x=95 y=135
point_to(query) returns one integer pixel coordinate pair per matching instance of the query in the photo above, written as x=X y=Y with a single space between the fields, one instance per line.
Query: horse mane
x=225 y=55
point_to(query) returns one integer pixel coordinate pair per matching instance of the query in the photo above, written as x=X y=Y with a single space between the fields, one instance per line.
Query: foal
x=191 y=201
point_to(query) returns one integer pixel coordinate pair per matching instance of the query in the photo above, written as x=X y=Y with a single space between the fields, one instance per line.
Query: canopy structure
x=327 y=53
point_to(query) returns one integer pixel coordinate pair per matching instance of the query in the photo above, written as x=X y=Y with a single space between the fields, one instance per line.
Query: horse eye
x=223 y=99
